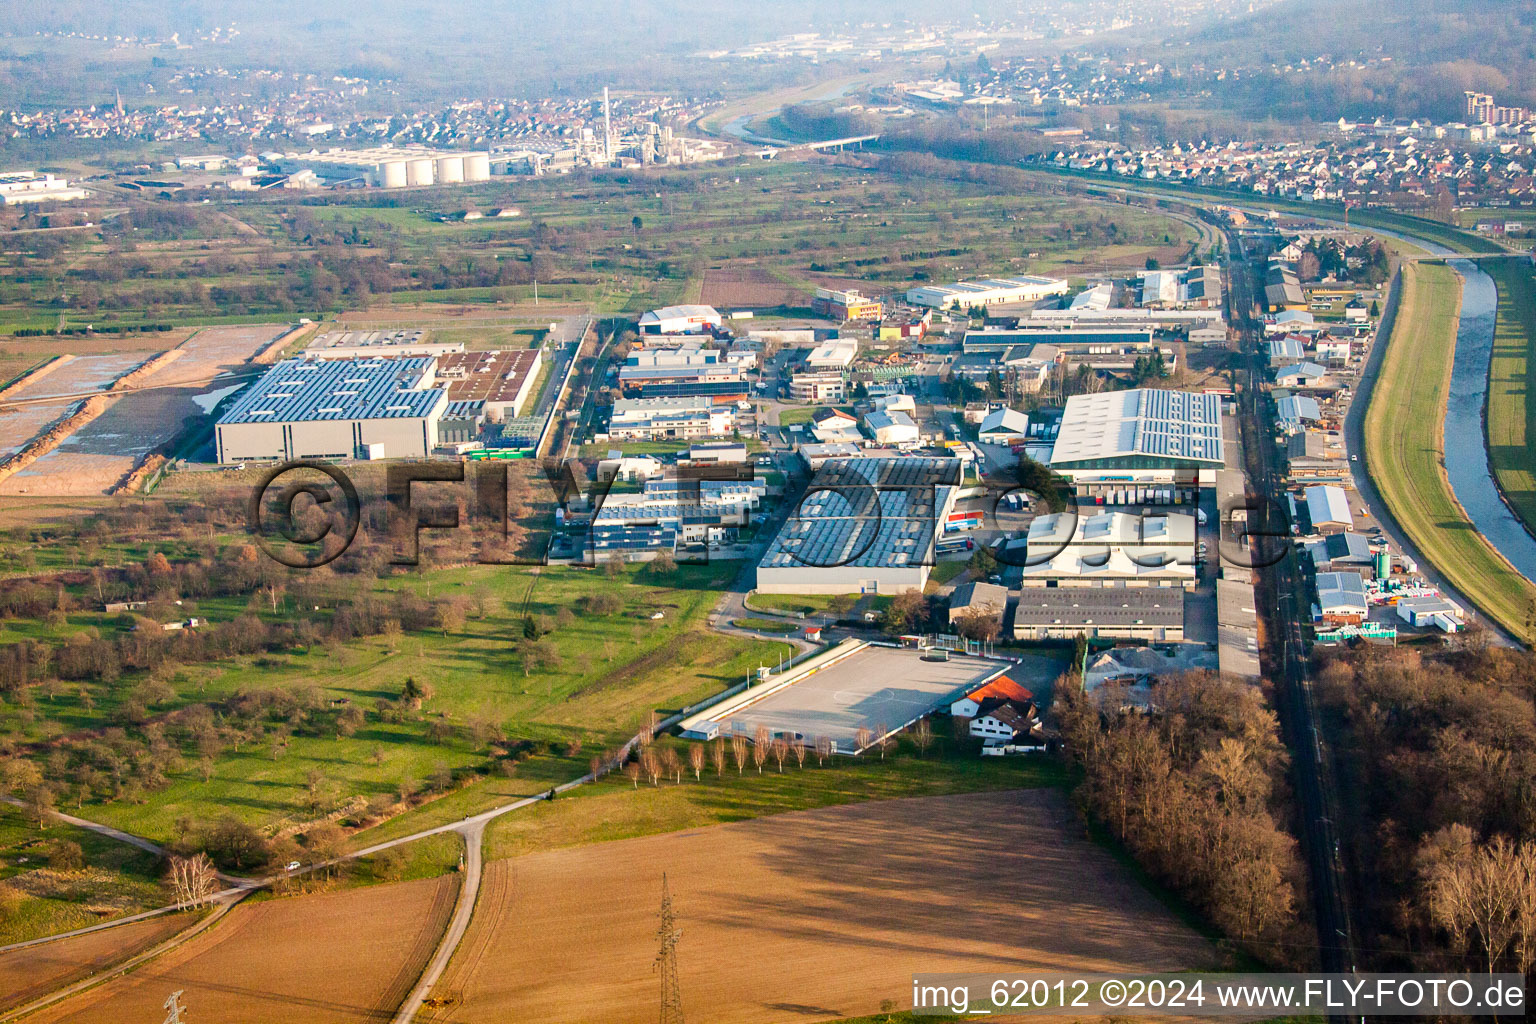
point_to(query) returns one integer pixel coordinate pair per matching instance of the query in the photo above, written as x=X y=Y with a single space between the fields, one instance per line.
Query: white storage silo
x=477 y=167
x=418 y=171
x=391 y=174
x=450 y=169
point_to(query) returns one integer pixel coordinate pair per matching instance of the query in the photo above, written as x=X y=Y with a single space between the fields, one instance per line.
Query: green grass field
x=1511 y=412
x=34 y=900
x=1405 y=449
x=612 y=670
x=616 y=808
x=789 y=604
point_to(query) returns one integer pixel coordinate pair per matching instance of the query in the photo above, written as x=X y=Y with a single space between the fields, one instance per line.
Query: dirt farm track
x=330 y=959
x=808 y=916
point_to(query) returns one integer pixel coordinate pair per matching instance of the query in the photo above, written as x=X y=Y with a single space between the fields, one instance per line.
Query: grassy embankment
x=1405 y=444
x=1511 y=412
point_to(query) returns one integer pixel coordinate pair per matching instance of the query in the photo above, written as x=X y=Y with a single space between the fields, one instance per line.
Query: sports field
x=1511 y=413
x=814 y=915
x=880 y=689
x=1405 y=447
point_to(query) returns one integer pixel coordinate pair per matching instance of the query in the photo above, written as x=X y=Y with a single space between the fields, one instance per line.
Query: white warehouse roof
x=1180 y=426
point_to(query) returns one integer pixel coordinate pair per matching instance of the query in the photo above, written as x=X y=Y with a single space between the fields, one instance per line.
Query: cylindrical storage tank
x=1383 y=564
x=450 y=169
x=419 y=171
x=477 y=166
x=391 y=174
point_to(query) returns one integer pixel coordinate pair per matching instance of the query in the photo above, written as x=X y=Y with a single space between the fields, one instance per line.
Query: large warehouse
x=865 y=526
x=992 y=291
x=335 y=409
x=1110 y=549
x=679 y=320
x=1144 y=445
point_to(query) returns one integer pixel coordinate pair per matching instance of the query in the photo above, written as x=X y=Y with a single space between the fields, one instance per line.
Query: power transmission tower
x=666 y=959
x=173 y=1008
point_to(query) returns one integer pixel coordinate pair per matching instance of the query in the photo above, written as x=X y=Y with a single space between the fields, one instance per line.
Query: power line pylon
x=668 y=934
x=173 y=1008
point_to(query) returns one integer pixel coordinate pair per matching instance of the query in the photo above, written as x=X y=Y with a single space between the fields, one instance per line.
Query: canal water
x=1466 y=451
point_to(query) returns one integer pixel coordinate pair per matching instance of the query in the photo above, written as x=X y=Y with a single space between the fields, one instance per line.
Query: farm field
x=1511 y=412
x=755 y=235
x=103 y=451
x=1406 y=450
x=814 y=915
x=336 y=958
x=27 y=974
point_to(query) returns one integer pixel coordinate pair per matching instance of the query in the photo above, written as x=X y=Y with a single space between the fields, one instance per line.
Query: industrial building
x=1068 y=340
x=21 y=187
x=646 y=419
x=1341 y=599
x=845 y=305
x=865 y=526
x=896 y=429
x=1110 y=549
x=335 y=409
x=366 y=344
x=1328 y=509
x=834 y=354
x=679 y=320
x=504 y=381
x=1143 y=445
x=818 y=386
x=389 y=167
x=1003 y=426
x=1119 y=613
x=987 y=292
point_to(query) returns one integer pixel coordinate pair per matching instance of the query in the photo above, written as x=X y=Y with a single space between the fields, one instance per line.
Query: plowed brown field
x=813 y=915
x=27 y=974
x=329 y=959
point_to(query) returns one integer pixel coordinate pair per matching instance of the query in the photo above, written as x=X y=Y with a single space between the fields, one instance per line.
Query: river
x=1466 y=450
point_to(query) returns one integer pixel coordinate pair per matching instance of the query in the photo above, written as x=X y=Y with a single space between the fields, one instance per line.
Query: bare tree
x=825 y=748
x=863 y=738
x=760 y=741
x=696 y=759
x=632 y=772
x=192 y=879
x=922 y=735
x=650 y=764
x=800 y=752
x=596 y=766
x=717 y=755
x=739 y=750
x=884 y=738
x=671 y=764
x=780 y=748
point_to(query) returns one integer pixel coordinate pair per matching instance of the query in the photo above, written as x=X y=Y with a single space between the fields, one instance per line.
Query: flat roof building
x=679 y=320
x=1110 y=549
x=364 y=344
x=834 y=354
x=687 y=416
x=502 y=380
x=335 y=409
x=1120 y=613
x=865 y=525
x=992 y=291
